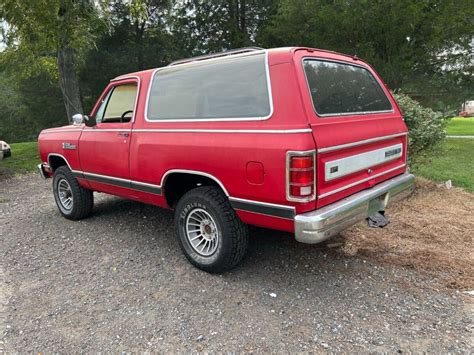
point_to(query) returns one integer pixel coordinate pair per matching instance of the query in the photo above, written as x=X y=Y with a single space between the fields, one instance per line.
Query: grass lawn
x=460 y=126
x=25 y=158
x=453 y=160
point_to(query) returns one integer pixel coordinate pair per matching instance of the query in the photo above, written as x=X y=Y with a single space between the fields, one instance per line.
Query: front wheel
x=210 y=233
x=73 y=201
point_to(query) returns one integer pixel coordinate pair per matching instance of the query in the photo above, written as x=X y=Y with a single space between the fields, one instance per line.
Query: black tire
x=82 y=199
x=232 y=241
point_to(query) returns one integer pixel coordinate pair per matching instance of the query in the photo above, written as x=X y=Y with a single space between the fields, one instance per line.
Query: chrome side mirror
x=79 y=118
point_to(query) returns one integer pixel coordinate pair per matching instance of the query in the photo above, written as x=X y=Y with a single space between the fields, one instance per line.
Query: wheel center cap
x=207 y=230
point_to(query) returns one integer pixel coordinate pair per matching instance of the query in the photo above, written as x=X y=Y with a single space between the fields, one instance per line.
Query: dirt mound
x=431 y=231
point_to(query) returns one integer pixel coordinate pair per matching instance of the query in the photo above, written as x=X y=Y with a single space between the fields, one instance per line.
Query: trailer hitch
x=378 y=220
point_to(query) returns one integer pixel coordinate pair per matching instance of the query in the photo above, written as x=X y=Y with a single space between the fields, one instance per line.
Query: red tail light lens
x=300 y=176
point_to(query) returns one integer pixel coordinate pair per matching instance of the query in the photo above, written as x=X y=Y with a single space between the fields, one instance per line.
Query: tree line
x=58 y=55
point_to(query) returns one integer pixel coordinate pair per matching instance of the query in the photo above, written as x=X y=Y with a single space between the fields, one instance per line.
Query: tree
x=204 y=26
x=136 y=39
x=408 y=42
x=50 y=33
x=28 y=105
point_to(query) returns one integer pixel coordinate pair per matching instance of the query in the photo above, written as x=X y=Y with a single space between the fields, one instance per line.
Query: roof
x=225 y=54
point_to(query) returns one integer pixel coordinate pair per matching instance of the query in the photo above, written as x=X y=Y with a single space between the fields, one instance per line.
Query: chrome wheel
x=202 y=232
x=65 y=194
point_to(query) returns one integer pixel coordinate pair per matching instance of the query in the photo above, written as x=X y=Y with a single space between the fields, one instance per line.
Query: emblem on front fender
x=69 y=146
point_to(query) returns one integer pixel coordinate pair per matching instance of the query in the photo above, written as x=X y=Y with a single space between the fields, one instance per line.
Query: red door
x=104 y=148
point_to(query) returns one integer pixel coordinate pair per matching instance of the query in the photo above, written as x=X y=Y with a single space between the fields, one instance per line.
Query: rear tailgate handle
x=124 y=134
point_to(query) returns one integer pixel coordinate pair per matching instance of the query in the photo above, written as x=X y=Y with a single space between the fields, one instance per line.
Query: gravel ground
x=117 y=281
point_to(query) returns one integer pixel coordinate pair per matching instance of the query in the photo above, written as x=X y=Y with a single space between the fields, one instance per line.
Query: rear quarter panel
x=330 y=132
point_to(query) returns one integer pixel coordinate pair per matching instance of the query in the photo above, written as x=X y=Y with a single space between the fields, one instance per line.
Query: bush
x=425 y=127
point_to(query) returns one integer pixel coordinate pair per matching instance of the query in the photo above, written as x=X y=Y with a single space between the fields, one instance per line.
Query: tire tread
x=83 y=199
x=238 y=231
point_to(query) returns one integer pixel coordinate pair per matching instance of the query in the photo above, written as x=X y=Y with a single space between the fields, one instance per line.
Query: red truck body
x=247 y=159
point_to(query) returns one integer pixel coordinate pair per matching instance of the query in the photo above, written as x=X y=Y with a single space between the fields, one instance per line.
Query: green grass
x=24 y=158
x=452 y=160
x=460 y=126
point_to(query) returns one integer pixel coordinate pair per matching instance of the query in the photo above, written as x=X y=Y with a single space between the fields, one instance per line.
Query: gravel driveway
x=117 y=281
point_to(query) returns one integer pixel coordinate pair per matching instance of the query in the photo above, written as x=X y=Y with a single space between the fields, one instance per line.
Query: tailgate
x=357 y=127
x=349 y=167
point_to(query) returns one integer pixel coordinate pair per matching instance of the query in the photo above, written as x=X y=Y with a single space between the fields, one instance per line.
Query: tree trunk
x=139 y=33
x=69 y=82
x=243 y=17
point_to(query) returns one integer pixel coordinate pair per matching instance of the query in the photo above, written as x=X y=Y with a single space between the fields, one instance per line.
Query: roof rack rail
x=216 y=55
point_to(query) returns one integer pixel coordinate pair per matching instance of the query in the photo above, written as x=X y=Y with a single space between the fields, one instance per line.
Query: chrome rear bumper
x=319 y=225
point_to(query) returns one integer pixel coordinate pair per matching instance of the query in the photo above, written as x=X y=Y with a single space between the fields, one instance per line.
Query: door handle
x=124 y=134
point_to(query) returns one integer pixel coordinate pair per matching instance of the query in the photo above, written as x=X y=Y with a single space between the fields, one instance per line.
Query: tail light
x=300 y=176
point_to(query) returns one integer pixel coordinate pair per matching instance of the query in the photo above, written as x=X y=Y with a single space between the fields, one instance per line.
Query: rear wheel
x=73 y=201
x=210 y=233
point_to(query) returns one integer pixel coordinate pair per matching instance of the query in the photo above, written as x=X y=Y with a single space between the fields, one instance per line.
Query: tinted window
x=338 y=89
x=227 y=88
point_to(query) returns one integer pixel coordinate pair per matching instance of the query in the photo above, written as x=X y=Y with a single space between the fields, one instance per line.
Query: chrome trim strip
x=127 y=183
x=259 y=131
x=77 y=173
x=269 y=89
x=61 y=130
x=125 y=77
x=263 y=209
x=142 y=186
x=360 y=182
x=329 y=115
x=108 y=180
x=98 y=130
x=267 y=204
x=365 y=141
x=106 y=177
x=195 y=172
x=191 y=130
x=358 y=162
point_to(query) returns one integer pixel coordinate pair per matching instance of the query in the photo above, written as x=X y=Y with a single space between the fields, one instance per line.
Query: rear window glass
x=341 y=89
x=221 y=89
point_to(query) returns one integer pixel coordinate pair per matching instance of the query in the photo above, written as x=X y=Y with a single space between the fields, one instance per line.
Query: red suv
x=296 y=139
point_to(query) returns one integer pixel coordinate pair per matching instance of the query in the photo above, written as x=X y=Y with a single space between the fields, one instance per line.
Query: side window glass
x=224 y=89
x=100 y=112
x=119 y=104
